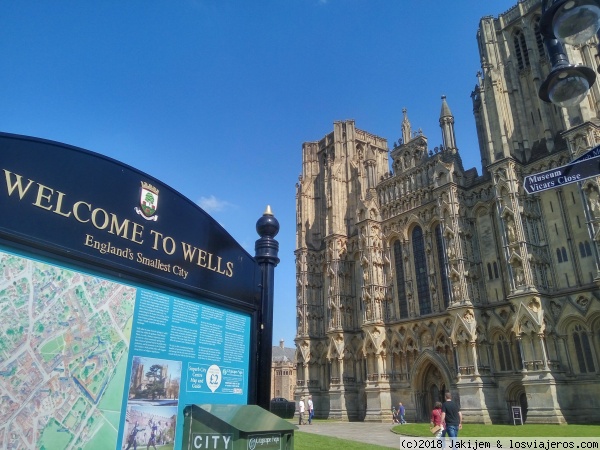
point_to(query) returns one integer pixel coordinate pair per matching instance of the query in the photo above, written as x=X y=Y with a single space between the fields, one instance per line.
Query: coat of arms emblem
x=148 y=202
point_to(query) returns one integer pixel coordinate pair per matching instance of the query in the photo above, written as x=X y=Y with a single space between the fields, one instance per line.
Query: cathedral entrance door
x=516 y=396
x=432 y=390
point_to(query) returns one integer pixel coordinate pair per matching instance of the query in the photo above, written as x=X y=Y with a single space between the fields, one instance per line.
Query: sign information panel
x=517 y=415
x=107 y=361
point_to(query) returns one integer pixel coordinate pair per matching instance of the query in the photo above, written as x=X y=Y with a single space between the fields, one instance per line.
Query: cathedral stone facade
x=416 y=276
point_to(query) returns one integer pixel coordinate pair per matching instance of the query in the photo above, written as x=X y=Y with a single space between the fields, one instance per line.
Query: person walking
x=301 y=408
x=436 y=424
x=451 y=417
x=401 y=412
x=311 y=410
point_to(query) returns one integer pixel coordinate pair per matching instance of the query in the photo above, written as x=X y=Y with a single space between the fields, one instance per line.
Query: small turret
x=447 y=125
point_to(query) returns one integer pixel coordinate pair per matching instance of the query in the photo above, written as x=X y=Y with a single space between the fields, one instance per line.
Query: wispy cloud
x=212 y=204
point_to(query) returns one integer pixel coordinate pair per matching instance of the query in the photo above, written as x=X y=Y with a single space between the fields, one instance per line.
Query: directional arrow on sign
x=586 y=166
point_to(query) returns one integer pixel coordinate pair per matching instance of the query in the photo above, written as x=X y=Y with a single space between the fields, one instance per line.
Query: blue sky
x=216 y=97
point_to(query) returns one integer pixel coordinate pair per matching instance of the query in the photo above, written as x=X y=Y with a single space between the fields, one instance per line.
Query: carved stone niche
x=426 y=340
x=534 y=304
x=555 y=309
x=583 y=302
x=468 y=316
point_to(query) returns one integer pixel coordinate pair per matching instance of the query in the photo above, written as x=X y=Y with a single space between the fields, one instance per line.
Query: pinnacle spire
x=447 y=126
x=445 y=108
x=406 y=131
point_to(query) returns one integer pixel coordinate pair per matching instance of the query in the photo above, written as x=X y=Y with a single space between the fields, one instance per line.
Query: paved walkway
x=368 y=432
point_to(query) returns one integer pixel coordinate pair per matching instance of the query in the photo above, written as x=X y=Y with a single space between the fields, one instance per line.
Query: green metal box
x=235 y=427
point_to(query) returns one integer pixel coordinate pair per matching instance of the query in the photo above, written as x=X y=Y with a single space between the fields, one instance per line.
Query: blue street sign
x=589 y=154
x=586 y=166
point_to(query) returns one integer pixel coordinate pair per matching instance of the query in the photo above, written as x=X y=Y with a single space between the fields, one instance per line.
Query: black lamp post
x=572 y=22
x=267 y=249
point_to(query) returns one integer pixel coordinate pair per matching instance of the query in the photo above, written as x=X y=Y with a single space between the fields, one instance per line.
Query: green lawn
x=527 y=430
x=309 y=441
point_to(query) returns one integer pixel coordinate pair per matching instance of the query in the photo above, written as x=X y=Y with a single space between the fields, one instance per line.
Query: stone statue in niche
x=469 y=317
x=594 y=201
x=519 y=276
x=510 y=229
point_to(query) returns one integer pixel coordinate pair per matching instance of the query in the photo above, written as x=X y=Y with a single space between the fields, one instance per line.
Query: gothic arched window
x=495 y=274
x=521 y=49
x=399 y=265
x=503 y=351
x=421 y=271
x=561 y=255
x=584 y=249
x=443 y=263
x=539 y=40
x=583 y=350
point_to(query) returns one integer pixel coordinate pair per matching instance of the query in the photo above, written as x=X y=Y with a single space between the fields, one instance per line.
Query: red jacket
x=436 y=417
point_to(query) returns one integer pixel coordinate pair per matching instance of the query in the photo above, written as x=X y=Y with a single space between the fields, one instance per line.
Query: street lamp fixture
x=572 y=22
x=566 y=85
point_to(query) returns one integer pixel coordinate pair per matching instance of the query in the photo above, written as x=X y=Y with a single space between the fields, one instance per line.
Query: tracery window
x=561 y=255
x=583 y=350
x=401 y=289
x=539 y=40
x=421 y=271
x=584 y=249
x=443 y=264
x=521 y=49
x=503 y=352
x=495 y=274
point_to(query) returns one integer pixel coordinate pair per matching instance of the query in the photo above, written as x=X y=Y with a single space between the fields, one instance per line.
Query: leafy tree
x=156 y=385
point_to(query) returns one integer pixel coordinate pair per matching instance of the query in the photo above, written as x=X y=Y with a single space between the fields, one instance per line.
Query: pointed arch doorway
x=430 y=386
x=516 y=396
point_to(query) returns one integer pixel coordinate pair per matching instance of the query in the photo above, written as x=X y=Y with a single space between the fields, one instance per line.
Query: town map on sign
x=64 y=339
